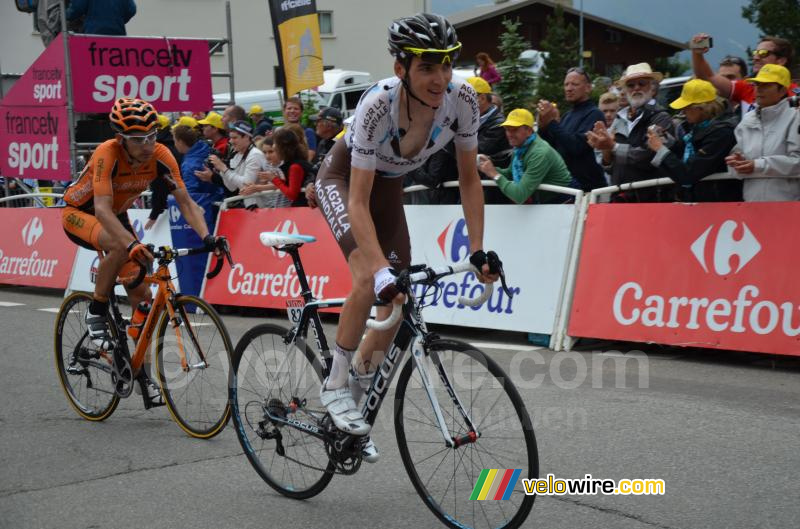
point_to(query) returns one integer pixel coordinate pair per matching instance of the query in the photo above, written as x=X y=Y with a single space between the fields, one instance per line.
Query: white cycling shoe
x=359 y=384
x=343 y=410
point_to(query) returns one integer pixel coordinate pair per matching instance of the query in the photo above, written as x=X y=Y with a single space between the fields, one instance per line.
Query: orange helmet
x=132 y=115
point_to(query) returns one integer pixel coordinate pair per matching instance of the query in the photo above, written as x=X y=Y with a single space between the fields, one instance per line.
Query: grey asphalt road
x=720 y=429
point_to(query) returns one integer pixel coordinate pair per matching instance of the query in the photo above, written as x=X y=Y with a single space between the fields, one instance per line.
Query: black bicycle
x=456 y=412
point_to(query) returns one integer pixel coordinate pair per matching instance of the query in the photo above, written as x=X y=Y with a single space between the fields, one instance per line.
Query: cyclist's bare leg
x=110 y=264
x=354 y=315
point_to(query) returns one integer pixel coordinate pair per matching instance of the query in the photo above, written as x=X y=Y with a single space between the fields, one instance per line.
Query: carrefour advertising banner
x=34 y=250
x=265 y=277
x=34 y=142
x=295 y=25
x=532 y=242
x=703 y=275
x=173 y=74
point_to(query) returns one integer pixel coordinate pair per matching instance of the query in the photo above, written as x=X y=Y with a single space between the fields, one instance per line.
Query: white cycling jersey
x=374 y=139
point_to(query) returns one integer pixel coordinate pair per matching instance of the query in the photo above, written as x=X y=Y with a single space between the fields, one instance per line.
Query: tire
x=268 y=370
x=197 y=399
x=86 y=381
x=445 y=477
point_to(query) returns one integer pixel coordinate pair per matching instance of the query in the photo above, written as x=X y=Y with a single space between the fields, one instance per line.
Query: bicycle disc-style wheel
x=193 y=366
x=445 y=477
x=84 y=370
x=284 y=379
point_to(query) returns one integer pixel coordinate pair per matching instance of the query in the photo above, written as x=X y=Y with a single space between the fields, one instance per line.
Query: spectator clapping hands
x=740 y=164
x=600 y=138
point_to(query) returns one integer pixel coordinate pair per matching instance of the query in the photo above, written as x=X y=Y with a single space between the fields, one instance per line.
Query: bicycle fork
x=425 y=368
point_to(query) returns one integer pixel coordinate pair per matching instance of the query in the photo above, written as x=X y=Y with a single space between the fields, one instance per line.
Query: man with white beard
x=624 y=146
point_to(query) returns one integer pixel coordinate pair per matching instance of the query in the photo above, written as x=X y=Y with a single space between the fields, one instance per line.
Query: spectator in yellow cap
x=262 y=125
x=186 y=121
x=491 y=136
x=215 y=132
x=704 y=139
x=534 y=162
x=768 y=141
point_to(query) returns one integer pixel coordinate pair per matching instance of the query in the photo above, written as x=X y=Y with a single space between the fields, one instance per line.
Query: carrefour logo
x=725 y=246
x=32 y=231
x=174 y=213
x=454 y=242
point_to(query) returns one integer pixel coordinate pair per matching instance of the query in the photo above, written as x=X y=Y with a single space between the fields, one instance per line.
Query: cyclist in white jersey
x=398 y=124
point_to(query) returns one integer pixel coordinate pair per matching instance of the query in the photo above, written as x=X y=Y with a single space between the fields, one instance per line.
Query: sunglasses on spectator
x=580 y=71
x=730 y=60
x=760 y=54
x=141 y=140
x=436 y=56
x=640 y=82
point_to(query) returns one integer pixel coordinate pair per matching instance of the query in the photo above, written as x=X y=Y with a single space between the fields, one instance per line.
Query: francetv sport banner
x=704 y=275
x=295 y=25
x=173 y=74
x=34 y=142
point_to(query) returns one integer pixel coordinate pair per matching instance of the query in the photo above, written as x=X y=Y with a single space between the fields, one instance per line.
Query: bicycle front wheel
x=282 y=379
x=445 y=478
x=193 y=365
x=84 y=370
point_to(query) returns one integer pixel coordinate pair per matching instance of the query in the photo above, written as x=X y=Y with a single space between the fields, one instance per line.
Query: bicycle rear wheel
x=284 y=379
x=84 y=370
x=445 y=477
x=196 y=392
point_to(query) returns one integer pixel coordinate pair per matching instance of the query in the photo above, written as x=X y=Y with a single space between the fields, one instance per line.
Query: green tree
x=516 y=87
x=779 y=18
x=561 y=43
x=672 y=66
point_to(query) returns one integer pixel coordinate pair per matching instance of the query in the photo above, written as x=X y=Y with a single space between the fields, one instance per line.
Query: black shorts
x=385 y=206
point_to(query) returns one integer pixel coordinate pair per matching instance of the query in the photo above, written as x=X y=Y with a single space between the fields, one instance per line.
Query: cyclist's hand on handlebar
x=218 y=245
x=488 y=264
x=140 y=253
x=386 y=288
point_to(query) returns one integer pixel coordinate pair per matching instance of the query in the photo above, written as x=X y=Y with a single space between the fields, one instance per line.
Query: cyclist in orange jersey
x=95 y=215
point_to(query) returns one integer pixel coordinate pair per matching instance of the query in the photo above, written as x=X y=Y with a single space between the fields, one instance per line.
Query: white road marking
x=505 y=346
x=10 y=304
x=53 y=310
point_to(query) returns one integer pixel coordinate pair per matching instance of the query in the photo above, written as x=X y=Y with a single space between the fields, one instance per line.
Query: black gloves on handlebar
x=480 y=258
x=214 y=243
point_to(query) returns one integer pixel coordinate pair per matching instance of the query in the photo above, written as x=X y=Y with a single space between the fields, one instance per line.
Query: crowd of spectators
x=723 y=123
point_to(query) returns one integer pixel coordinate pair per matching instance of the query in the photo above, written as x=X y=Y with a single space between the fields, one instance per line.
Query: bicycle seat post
x=294 y=251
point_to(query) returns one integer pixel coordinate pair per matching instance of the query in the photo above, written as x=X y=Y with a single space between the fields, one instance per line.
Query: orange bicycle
x=192 y=363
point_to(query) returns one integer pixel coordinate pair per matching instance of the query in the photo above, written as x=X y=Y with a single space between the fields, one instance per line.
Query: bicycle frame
x=162 y=300
x=412 y=334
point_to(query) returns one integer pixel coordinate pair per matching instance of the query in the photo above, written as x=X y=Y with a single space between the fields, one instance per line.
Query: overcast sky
x=673 y=19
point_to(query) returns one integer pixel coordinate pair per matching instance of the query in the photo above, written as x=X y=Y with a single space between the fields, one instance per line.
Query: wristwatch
x=496 y=177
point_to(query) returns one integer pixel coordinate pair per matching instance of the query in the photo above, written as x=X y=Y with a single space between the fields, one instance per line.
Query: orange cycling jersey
x=109 y=173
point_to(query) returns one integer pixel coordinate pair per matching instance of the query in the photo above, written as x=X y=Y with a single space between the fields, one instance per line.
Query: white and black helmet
x=423 y=31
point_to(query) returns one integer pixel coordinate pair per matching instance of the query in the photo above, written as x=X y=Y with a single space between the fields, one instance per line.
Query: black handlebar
x=166 y=255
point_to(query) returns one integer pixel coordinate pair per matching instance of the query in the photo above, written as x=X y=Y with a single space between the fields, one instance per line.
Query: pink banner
x=35 y=142
x=173 y=74
x=44 y=83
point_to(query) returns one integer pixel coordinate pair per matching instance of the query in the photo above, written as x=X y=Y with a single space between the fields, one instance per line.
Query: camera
x=707 y=42
x=794 y=100
x=216 y=153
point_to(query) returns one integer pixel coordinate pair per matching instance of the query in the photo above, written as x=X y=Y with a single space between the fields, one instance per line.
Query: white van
x=342 y=89
x=270 y=100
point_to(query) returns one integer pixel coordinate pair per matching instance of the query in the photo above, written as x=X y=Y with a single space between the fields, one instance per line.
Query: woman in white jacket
x=768 y=141
x=245 y=164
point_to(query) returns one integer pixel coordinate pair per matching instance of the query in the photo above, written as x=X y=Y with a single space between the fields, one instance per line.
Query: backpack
x=27 y=6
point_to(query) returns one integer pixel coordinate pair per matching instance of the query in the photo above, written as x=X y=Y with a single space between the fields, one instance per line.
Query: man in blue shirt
x=103 y=17
x=567 y=134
